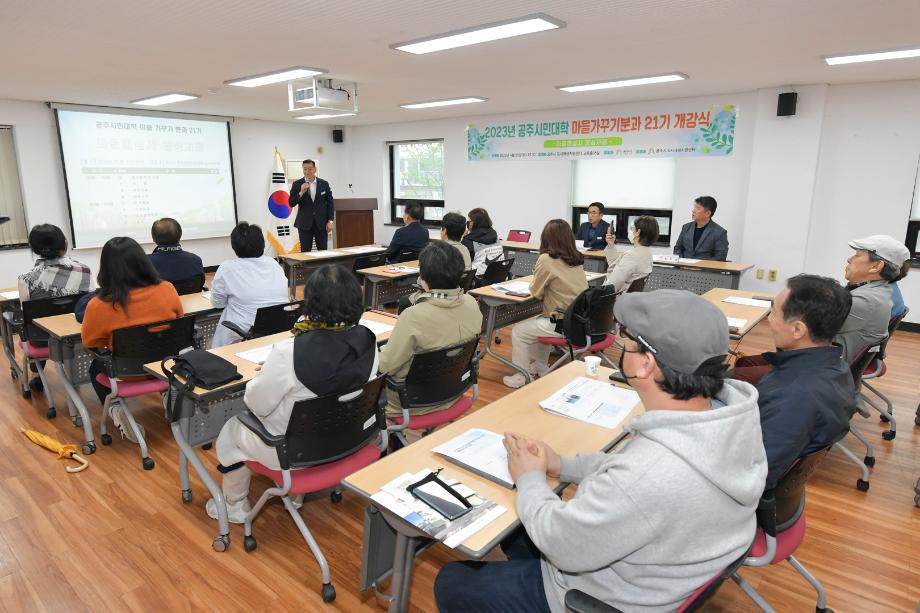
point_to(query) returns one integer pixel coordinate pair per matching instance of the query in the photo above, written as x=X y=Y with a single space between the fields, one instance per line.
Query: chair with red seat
x=519 y=236
x=34 y=343
x=876 y=369
x=857 y=367
x=586 y=326
x=781 y=528
x=577 y=601
x=327 y=439
x=436 y=378
x=132 y=347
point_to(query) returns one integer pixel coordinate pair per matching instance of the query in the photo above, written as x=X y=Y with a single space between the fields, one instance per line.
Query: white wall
x=253 y=143
x=526 y=194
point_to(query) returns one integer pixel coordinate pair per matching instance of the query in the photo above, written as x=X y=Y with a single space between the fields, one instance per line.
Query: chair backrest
x=859 y=364
x=331 y=427
x=638 y=285
x=520 y=236
x=466 y=280
x=192 y=285
x=790 y=490
x=590 y=316
x=497 y=271
x=276 y=318
x=408 y=255
x=45 y=307
x=893 y=324
x=134 y=346
x=368 y=261
x=440 y=376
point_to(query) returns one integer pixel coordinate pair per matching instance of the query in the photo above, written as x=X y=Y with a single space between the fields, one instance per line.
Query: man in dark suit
x=592 y=233
x=411 y=237
x=316 y=208
x=702 y=238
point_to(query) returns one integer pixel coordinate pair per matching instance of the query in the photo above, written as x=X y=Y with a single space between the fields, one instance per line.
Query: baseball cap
x=885 y=247
x=680 y=328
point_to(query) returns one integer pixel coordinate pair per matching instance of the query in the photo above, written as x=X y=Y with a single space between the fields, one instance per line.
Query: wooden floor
x=118 y=538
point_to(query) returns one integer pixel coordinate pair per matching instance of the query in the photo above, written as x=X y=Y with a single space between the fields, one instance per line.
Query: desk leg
x=375 y=294
x=487 y=345
x=222 y=540
x=292 y=282
x=73 y=399
x=184 y=425
x=402 y=573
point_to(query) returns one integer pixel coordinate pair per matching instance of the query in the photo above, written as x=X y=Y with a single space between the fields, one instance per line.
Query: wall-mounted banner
x=706 y=131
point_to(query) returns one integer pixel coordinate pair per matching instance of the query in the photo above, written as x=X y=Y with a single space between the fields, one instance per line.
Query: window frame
x=395 y=202
x=913 y=233
x=622 y=216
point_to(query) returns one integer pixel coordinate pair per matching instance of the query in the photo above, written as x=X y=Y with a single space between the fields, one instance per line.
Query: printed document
x=482 y=452
x=592 y=401
x=513 y=287
x=763 y=304
x=259 y=354
x=375 y=326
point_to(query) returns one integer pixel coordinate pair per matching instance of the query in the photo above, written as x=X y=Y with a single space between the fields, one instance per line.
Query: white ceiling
x=109 y=53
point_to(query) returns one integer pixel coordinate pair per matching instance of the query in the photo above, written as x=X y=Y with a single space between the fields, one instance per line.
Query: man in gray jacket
x=662 y=515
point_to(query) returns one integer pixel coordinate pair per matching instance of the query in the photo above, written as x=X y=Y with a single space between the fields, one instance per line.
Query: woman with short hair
x=54 y=274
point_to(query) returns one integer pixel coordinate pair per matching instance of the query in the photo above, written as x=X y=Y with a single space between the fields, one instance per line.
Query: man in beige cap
x=879 y=260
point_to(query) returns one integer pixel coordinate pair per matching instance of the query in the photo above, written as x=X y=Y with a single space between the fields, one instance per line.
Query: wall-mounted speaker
x=785 y=104
x=338 y=135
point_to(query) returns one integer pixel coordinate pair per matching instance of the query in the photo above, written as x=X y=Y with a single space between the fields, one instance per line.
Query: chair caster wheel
x=889 y=435
x=498 y=340
x=148 y=463
x=51 y=414
x=884 y=418
x=917 y=420
x=89 y=448
x=824 y=610
x=207 y=446
x=328 y=592
x=106 y=439
x=26 y=393
x=336 y=497
x=37 y=385
x=862 y=486
x=77 y=421
x=186 y=496
x=249 y=543
x=869 y=461
x=13 y=374
x=221 y=543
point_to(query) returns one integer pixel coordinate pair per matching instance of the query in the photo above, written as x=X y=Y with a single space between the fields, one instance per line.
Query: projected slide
x=126 y=171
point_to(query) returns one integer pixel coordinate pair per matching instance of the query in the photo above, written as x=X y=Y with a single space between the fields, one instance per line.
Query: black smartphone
x=440 y=499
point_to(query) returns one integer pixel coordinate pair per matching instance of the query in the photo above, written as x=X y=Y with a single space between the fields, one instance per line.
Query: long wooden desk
x=754 y=315
x=299 y=266
x=526 y=254
x=504 y=310
x=72 y=361
x=204 y=412
x=519 y=411
x=390 y=282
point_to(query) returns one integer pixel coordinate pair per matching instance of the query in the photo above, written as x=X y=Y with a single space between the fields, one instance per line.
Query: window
x=417 y=176
x=14 y=233
x=913 y=225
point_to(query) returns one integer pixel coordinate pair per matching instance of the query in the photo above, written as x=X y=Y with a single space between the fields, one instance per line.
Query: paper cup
x=592 y=363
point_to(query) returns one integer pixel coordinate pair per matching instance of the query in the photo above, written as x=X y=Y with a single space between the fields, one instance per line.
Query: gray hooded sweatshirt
x=659 y=517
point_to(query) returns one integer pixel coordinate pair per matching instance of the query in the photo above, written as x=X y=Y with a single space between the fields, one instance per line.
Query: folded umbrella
x=63 y=451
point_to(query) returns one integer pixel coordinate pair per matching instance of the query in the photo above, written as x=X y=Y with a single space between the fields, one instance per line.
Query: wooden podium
x=354 y=221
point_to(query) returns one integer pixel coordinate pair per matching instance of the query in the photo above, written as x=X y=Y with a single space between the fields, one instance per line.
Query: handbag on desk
x=199 y=368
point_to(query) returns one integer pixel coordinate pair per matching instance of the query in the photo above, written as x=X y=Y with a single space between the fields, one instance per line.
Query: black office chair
x=638 y=285
x=327 y=439
x=408 y=255
x=135 y=346
x=269 y=320
x=586 y=326
x=367 y=261
x=30 y=334
x=435 y=378
x=466 y=280
x=497 y=271
x=192 y=285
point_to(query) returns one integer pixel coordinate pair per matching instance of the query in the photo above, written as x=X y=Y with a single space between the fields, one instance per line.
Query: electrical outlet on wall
x=760 y=273
x=772 y=274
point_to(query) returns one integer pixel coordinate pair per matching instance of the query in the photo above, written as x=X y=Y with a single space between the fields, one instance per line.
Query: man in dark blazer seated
x=316 y=208
x=411 y=237
x=592 y=233
x=702 y=238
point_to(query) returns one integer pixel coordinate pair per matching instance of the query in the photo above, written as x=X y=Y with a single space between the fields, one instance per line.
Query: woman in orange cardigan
x=130 y=293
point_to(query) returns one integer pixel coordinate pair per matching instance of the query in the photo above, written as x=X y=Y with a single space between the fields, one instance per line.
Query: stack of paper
x=259 y=354
x=687 y=260
x=375 y=326
x=481 y=452
x=763 y=304
x=513 y=287
x=13 y=295
x=592 y=401
x=361 y=249
x=736 y=322
x=326 y=253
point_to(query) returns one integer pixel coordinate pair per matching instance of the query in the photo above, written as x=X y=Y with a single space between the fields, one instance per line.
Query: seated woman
x=130 y=293
x=558 y=278
x=625 y=267
x=54 y=274
x=244 y=285
x=481 y=240
x=330 y=354
x=442 y=316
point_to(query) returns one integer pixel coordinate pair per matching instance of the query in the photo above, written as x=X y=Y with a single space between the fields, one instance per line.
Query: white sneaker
x=514 y=381
x=117 y=412
x=538 y=369
x=236 y=511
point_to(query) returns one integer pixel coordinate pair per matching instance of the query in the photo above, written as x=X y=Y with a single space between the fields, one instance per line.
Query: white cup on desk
x=592 y=363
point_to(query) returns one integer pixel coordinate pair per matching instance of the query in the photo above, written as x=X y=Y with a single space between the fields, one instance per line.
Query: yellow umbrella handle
x=83 y=464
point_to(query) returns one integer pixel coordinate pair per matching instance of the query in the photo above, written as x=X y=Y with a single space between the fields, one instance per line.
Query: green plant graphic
x=715 y=138
x=476 y=143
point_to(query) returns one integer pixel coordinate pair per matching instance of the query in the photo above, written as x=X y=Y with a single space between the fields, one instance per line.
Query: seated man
x=806 y=400
x=702 y=238
x=411 y=237
x=442 y=316
x=878 y=260
x=171 y=262
x=592 y=233
x=661 y=515
x=453 y=225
